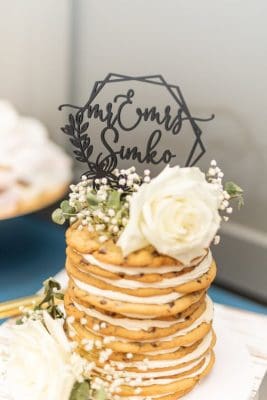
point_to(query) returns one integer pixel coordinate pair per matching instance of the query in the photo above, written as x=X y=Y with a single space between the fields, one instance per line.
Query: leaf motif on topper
x=112 y=115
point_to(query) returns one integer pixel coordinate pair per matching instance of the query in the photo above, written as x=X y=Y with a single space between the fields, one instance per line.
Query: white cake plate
x=231 y=377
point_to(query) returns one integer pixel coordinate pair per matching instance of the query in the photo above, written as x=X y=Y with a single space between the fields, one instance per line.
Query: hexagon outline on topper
x=99 y=85
x=158 y=79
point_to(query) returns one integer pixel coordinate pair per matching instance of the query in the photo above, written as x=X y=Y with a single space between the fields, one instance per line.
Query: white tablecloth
x=253 y=330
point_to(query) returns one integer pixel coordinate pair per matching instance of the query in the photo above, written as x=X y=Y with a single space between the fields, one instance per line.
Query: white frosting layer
x=132 y=270
x=139 y=316
x=206 y=317
x=155 y=364
x=167 y=373
x=197 y=272
x=159 y=381
x=127 y=323
x=110 y=294
x=166 y=351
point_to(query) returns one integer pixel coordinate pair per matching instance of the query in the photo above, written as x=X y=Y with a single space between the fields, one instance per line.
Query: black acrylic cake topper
x=104 y=166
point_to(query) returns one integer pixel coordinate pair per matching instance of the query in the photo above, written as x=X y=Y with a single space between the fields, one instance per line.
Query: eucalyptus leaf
x=58 y=216
x=92 y=200
x=78 y=206
x=66 y=208
x=59 y=296
x=50 y=284
x=233 y=189
x=80 y=391
x=100 y=394
x=114 y=200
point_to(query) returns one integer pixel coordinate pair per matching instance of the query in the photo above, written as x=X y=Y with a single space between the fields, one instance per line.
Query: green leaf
x=50 y=284
x=114 y=200
x=92 y=200
x=235 y=192
x=233 y=189
x=58 y=216
x=100 y=394
x=59 y=296
x=80 y=391
x=78 y=206
x=66 y=208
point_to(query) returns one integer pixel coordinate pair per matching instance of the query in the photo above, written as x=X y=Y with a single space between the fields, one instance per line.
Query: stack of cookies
x=144 y=321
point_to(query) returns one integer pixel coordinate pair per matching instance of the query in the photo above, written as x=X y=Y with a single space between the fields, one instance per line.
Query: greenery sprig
x=49 y=302
x=235 y=192
x=80 y=391
x=83 y=391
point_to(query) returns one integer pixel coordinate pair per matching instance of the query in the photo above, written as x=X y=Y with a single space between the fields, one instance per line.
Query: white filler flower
x=177 y=213
x=39 y=365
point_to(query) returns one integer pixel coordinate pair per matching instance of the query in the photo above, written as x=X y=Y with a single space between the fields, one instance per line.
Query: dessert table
x=33 y=249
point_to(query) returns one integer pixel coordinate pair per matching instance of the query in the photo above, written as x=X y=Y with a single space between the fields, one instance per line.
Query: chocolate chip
x=198 y=280
x=171 y=304
x=103 y=302
x=188 y=317
x=152 y=329
x=121 y=275
x=23 y=182
x=141 y=275
x=102 y=251
x=154 y=344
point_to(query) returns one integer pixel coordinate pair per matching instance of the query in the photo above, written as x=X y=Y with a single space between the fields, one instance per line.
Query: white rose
x=177 y=213
x=39 y=363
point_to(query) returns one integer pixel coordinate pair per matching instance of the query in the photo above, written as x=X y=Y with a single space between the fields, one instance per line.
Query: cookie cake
x=135 y=321
x=139 y=265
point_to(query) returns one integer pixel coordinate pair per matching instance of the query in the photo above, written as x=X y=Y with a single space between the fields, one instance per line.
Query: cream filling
x=167 y=351
x=132 y=270
x=127 y=323
x=159 y=381
x=124 y=297
x=206 y=317
x=138 y=316
x=153 y=364
x=163 y=374
x=197 y=272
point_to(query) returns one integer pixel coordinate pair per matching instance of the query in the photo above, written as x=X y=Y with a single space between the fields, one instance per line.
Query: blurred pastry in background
x=34 y=171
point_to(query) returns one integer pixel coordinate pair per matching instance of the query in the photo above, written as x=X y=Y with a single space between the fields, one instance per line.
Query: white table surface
x=253 y=330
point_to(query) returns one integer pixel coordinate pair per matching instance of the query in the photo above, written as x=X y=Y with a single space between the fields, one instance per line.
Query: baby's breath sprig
x=99 y=207
x=229 y=190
